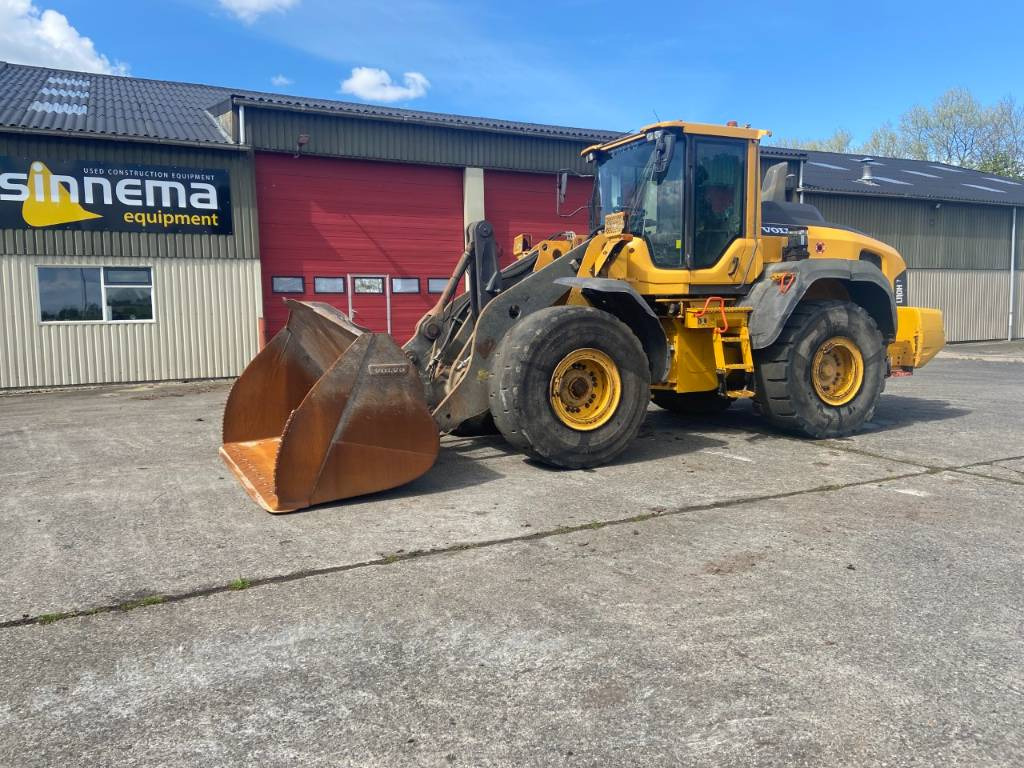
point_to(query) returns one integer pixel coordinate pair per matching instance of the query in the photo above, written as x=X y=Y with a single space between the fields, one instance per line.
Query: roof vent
x=866 y=176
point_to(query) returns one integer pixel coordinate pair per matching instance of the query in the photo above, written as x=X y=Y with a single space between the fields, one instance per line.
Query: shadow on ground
x=892 y=412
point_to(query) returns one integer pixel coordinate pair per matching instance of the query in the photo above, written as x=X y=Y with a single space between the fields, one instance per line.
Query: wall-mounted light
x=300 y=143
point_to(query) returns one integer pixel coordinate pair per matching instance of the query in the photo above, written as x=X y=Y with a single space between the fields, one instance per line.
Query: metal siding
x=517 y=203
x=330 y=217
x=974 y=302
x=1018 y=312
x=243 y=244
x=953 y=236
x=278 y=130
x=206 y=325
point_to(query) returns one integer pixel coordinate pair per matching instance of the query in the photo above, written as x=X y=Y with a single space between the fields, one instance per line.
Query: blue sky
x=800 y=69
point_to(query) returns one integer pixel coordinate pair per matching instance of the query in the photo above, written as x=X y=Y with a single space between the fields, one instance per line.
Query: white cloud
x=281 y=81
x=47 y=39
x=250 y=10
x=376 y=85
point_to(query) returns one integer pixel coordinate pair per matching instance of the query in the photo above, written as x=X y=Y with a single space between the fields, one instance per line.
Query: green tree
x=885 y=141
x=956 y=129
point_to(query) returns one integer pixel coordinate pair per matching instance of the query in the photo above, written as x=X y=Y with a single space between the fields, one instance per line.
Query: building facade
x=153 y=230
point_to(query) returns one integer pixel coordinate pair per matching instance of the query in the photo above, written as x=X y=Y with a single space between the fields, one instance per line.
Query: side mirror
x=561 y=188
x=664 y=149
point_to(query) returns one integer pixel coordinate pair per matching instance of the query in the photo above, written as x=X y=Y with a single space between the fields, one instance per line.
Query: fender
x=771 y=306
x=619 y=298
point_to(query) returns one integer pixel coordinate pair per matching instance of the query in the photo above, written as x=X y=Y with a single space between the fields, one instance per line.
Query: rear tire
x=823 y=375
x=692 y=404
x=532 y=388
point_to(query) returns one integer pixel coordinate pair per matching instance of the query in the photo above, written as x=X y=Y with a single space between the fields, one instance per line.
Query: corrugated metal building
x=90 y=292
x=109 y=274
x=149 y=230
x=957 y=229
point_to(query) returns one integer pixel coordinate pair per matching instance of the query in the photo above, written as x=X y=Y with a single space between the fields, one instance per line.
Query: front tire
x=823 y=375
x=570 y=386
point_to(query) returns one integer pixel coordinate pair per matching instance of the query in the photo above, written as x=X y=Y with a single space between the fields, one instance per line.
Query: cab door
x=722 y=215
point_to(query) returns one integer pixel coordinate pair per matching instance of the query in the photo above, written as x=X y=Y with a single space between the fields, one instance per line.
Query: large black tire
x=521 y=386
x=691 y=404
x=786 y=394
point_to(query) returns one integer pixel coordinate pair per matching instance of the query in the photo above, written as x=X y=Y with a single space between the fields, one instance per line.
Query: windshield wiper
x=634 y=202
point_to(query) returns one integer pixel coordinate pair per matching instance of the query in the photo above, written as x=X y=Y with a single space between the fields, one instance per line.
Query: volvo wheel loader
x=698 y=286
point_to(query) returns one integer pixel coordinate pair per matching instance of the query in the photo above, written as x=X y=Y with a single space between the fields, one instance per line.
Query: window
x=328 y=285
x=405 y=285
x=653 y=202
x=287 y=285
x=719 y=175
x=436 y=284
x=95 y=294
x=128 y=293
x=369 y=285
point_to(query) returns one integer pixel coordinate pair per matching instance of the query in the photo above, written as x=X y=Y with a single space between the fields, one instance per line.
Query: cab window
x=719 y=178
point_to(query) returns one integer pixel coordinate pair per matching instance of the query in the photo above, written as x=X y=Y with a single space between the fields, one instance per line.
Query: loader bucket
x=327 y=410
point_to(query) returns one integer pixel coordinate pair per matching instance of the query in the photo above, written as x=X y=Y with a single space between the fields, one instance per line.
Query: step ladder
x=728 y=326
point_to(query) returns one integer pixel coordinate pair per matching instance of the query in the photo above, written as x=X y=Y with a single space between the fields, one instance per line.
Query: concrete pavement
x=722 y=596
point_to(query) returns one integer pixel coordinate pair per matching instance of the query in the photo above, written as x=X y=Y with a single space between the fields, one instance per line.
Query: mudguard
x=619 y=298
x=773 y=299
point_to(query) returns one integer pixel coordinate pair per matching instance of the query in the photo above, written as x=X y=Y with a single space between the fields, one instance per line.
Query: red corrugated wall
x=525 y=202
x=333 y=217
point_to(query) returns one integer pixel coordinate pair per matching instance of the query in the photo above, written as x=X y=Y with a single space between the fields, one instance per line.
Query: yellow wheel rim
x=585 y=389
x=837 y=371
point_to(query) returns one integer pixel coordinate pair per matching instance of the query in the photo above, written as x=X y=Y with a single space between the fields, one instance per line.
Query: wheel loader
x=699 y=285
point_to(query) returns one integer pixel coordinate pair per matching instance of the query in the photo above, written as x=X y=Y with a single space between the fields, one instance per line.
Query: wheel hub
x=585 y=389
x=837 y=371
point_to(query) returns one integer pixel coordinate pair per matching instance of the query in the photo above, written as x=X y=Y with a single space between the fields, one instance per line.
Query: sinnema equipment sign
x=38 y=193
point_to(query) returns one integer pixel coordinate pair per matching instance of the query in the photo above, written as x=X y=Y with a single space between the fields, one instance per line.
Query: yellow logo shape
x=49 y=203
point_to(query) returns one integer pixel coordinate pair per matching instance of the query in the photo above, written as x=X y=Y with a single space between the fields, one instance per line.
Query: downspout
x=1013 y=274
x=800 y=181
x=241 y=123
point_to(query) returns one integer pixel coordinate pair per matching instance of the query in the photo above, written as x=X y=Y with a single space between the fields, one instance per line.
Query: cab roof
x=700 y=129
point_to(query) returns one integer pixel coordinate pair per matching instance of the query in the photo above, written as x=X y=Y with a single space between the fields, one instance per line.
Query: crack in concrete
x=653 y=513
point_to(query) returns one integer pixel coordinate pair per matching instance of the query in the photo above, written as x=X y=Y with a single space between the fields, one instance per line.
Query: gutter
x=875 y=192
x=83 y=135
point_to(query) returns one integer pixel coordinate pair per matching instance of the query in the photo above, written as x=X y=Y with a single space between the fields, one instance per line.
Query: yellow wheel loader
x=699 y=285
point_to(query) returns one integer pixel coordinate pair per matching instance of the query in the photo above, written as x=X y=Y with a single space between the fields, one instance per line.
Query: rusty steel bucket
x=327 y=410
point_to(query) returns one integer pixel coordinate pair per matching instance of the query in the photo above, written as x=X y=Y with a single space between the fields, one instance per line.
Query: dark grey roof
x=431 y=118
x=37 y=98
x=57 y=100
x=781 y=153
x=919 y=179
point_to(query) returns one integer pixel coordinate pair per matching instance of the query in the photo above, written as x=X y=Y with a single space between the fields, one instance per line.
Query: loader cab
x=691 y=195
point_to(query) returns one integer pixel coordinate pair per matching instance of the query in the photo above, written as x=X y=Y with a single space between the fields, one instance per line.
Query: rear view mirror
x=562 y=180
x=663 y=151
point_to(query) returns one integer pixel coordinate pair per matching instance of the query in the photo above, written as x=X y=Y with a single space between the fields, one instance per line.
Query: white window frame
x=405 y=292
x=103 y=294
